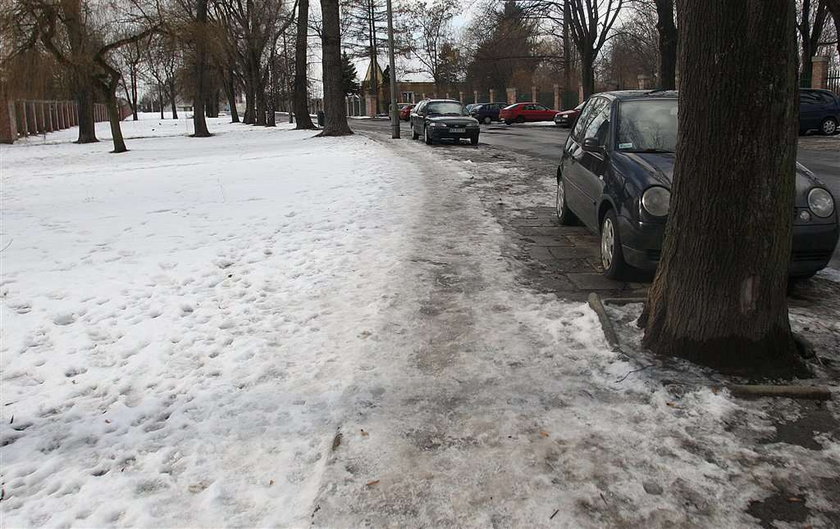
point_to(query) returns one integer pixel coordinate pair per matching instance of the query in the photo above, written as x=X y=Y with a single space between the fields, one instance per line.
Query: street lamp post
x=395 y=118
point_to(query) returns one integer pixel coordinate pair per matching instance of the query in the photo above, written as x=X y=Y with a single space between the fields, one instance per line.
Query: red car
x=568 y=118
x=522 y=112
x=405 y=112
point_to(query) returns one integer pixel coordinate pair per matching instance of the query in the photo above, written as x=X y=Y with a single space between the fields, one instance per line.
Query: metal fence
x=834 y=80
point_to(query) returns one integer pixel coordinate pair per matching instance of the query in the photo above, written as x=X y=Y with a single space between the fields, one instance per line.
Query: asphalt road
x=819 y=154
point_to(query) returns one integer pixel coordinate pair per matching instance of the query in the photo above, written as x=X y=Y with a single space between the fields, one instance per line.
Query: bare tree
x=130 y=59
x=300 y=94
x=83 y=40
x=432 y=35
x=667 y=44
x=719 y=296
x=334 y=109
x=811 y=25
x=590 y=23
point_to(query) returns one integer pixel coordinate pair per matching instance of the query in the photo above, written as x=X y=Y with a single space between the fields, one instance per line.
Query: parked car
x=819 y=110
x=615 y=177
x=443 y=119
x=522 y=112
x=568 y=118
x=405 y=112
x=487 y=112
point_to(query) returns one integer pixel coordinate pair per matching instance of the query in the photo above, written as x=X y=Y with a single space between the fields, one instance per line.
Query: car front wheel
x=414 y=134
x=828 y=126
x=426 y=136
x=612 y=257
x=564 y=215
x=488 y=120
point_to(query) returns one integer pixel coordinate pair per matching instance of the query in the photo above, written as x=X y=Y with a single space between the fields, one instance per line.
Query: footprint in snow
x=64 y=319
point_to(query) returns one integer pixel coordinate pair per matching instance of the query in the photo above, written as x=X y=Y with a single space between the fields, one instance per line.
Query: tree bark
x=230 y=93
x=667 y=44
x=160 y=100
x=114 y=121
x=587 y=73
x=173 y=99
x=300 y=97
x=84 y=103
x=335 y=112
x=200 y=71
x=833 y=7
x=719 y=296
x=567 y=49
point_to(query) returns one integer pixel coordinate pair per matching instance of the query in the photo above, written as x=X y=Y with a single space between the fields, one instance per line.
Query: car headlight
x=437 y=124
x=820 y=202
x=656 y=201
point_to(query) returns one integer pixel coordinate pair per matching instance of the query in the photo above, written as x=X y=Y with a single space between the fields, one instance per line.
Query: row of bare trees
x=173 y=50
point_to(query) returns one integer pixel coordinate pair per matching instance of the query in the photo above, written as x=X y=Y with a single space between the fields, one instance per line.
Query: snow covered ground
x=268 y=329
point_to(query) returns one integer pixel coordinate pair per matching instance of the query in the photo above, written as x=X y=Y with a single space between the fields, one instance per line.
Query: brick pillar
x=62 y=124
x=23 y=126
x=370 y=101
x=8 y=121
x=511 y=96
x=492 y=95
x=42 y=120
x=447 y=95
x=644 y=81
x=475 y=96
x=461 y=96
x=535 y=95
x=819 y=72
x=558 y=101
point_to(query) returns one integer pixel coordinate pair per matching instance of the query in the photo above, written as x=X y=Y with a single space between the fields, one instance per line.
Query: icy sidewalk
x=264 y=329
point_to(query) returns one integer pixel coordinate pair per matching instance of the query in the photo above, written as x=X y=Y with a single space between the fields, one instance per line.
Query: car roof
x=622 y=95
x=443 y=101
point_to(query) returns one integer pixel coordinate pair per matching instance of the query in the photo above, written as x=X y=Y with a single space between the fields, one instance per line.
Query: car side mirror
x=592 y=145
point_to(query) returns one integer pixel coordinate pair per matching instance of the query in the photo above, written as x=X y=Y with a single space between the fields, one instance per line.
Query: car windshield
x=647 y=126
x=445 y=108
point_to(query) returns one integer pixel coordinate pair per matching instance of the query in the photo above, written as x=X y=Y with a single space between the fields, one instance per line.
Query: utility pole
x=395 y=118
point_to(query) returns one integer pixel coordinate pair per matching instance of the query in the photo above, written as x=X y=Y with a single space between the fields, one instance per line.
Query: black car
x=818 y=110
x=443 y=119
x=487 y=112
x=615 y=177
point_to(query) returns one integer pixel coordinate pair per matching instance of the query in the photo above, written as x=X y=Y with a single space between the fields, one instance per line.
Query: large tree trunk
x=114 y=120
x=719 y=294
x=249 y=101
x=567 y=51
x=230 y=93
x=134 y=93
x=200 y=71
x=172 y=99
x=300 y=98
x=667 y=44
x=261 y=107
x=84 y=104
x=335 y=113
x=160 y=100
x=587 y=72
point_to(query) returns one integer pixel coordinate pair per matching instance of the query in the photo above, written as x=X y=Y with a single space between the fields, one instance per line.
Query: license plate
x=457 y=130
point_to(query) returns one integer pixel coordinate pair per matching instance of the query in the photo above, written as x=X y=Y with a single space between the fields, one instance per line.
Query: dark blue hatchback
x=818 y=110
x=615 y=177
x=487 y=112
